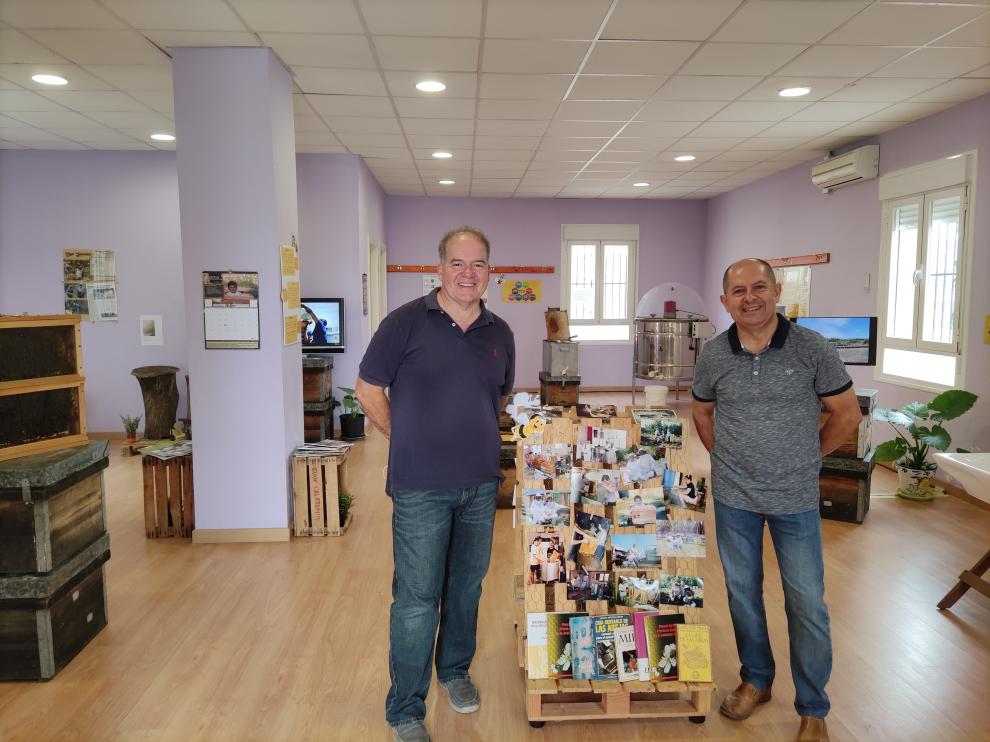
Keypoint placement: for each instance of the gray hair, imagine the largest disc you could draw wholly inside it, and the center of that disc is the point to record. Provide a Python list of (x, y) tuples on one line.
[(464, 229), (767, 268)]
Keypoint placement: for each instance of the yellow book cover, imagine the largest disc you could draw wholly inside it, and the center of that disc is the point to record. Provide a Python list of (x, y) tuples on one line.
[(537, 664), (694, 653)]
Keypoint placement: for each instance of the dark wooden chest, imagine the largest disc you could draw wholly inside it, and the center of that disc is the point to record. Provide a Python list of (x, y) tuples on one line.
[(52, 506), (47, 619), (844, 486), (559, 390), (317, 378)]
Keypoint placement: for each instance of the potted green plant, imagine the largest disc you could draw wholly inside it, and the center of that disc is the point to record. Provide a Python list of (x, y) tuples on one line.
[(130, 426), (352, 418), (923, 425)]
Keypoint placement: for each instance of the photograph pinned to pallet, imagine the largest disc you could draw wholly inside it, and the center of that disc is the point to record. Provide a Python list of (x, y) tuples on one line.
[(599, 446), (596, 486), (641, 507), (638, 591), (680, 538), (681, 491), (545, 555), (588, 584), (588, 543), (635, 550), (681, 590), (547, 460), (542, 507), (662, 431)]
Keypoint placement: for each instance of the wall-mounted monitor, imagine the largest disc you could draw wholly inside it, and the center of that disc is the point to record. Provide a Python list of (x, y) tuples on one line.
[(321, 325), (855, 338)]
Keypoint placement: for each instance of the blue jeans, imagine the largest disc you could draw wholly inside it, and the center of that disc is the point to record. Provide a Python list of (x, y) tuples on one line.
[(441, 544), (797, 539)]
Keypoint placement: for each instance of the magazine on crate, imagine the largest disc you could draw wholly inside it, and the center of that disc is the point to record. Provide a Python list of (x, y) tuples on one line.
[(560, 649), (606, 659), (625, 650), (694, 653), (642, 653), (582, 648), (537, 666), (661, 644)]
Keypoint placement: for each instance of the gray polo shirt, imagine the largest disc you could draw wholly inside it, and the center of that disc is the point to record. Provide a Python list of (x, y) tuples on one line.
[(767, 456)]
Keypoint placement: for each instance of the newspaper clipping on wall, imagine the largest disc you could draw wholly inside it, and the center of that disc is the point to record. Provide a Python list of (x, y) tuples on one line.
[(90, 284)]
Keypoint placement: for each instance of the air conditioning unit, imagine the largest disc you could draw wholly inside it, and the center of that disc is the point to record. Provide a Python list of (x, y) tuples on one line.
[(859, 164)]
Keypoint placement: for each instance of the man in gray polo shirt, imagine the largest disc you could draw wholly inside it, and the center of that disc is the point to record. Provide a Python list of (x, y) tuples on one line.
[(758, 390)]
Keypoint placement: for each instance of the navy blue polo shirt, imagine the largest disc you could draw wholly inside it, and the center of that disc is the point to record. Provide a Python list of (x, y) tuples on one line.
[(767, 451), (445, 391)]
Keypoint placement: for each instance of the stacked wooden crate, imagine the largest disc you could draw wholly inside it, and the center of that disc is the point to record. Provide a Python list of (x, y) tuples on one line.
[(844, 481), (559, 379), (317, 398)]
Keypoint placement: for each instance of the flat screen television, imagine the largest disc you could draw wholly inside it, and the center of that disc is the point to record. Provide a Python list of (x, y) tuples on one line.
[(323, 331), (855, 338)]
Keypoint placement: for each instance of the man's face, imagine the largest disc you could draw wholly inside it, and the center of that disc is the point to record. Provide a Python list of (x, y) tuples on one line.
[(751, 295), (464, 274)]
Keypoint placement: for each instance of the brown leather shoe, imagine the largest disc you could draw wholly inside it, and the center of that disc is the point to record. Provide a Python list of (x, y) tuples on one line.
[(741, 702), (812, 730)]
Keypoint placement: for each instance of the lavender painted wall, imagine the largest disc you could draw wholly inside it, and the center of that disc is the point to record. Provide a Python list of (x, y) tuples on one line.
[(127, 202), (785, 215), (528, 232)]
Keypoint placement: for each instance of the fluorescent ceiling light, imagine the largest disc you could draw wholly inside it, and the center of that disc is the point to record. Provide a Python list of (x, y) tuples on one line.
[(793, 92), (430, 86), (442, 155), (446, 182), (640, 185), (50, 79), (684, 158), (163, 137)]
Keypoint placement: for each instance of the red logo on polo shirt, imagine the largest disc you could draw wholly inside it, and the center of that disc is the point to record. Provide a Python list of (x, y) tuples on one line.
[(494, 352)]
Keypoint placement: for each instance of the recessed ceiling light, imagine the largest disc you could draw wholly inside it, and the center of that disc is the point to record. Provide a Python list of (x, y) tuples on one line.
[(640, 185), (50, 79), (442, 155), (431, 86), (684, 158), (446, 182), (163, 137), (793, 92)]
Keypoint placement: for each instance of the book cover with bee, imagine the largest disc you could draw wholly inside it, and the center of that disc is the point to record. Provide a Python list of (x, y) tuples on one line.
[(694, 653), (560, 650)]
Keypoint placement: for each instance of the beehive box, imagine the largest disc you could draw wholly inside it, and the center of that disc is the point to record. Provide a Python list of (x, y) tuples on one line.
[(52, 506), (317, 378), (844, 486), (42, 405)]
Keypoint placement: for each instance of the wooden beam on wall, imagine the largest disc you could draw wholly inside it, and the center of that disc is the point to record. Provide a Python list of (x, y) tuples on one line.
[(815, 259), (394, 268)]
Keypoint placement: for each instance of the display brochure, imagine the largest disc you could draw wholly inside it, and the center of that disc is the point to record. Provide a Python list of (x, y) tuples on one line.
[(694, 653), (167, 449), (537, 666), (90, 284), (606, 659), (582, 648), (230, 310)]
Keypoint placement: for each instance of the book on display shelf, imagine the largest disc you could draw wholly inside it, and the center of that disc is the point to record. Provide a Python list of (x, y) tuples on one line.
[(661, 642), (537, 666), (625, 651), (606, 658), (582, 648), (694, 653), (560, 649)]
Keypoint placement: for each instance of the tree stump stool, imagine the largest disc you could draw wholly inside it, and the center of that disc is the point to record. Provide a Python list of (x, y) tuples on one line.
[(161, 399)]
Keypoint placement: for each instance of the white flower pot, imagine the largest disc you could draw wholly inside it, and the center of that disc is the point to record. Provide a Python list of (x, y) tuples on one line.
[(915, 483)]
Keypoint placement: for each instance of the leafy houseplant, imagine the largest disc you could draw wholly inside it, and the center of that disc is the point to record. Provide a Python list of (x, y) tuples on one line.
[(130, 426), (352, 418), (923, 423), (344, 500)]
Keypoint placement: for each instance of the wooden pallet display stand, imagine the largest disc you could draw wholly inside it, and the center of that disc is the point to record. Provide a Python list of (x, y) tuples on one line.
[(573, 700), (316, 485), (169, 506)]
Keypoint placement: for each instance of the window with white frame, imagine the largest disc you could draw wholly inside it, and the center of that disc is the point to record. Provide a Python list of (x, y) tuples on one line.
[(598, 281), (923, 274)]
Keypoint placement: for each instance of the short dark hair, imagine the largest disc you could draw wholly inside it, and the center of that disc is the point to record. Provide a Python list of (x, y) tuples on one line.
[(464, 229), (767, 268), (231, 283)]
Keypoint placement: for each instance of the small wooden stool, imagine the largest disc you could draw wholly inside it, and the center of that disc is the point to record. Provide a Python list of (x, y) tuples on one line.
[(168, 497)]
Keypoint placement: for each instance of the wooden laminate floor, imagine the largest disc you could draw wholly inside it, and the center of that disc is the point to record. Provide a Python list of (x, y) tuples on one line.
[(289, 641)]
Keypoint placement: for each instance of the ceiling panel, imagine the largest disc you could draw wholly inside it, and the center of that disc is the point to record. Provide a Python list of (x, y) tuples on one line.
[(173, 39), (672, 110), (105, 100), (638, 57), (546, 19), (447, 108), (502, 127), (843, 61), (615, 87), (25, 100), (550, 87), (127, 120), (427, 54), (614, 110), (61, 119), (706, 87), (299, 16), (339, 81), (821, 87), (176, 15), (507, 55), (954, 91), (146, 77), (902, 25), (668, 19), (363, 124), (158, 101), (439, 126), (79, 79), (441, 141), (759, 111), (350, 105), (99, 47), (85, 14), (836, 111), (321, 50), (932, 62), (782, 21), (459, 84), (742, 59), (974, 33), (516, 109), (882, 89), (309, 123), (437, 18)]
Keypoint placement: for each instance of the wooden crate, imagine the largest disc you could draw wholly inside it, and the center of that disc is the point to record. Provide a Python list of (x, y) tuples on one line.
[(316, 485), (317, 421), (47, 619), (859, 442), (317, 378), (559, 390), (169, 505), (52, 506), (42, 405), (844, 486)]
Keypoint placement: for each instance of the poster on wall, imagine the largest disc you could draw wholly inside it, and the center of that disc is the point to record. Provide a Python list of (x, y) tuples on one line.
[(522, 291), (151, 329), (230, 309), (430, 281), (795, 290), (289, 270), (90, 284)]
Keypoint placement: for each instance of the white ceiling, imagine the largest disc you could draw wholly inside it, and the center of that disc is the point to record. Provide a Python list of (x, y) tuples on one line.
[(547, 98)]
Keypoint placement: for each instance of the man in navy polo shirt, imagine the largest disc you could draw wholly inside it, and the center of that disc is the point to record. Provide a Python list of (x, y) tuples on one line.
[(758, 389), (447, 362)]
